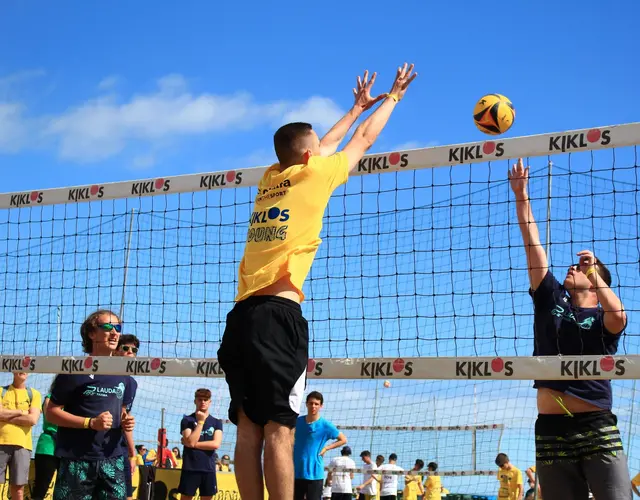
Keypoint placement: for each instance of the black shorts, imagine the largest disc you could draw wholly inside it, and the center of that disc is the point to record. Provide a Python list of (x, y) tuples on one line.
[(264, 355), (128, 480), (203, 482), (309, 489)]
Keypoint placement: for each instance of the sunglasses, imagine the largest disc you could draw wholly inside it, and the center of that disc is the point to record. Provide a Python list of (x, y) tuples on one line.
[(107, 327), (127, 348)]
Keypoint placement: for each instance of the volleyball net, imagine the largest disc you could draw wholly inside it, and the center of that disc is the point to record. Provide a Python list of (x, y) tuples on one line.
[(421, 281)]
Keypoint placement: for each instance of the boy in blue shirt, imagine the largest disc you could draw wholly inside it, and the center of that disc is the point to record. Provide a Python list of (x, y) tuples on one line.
[(91, 414), (311, 437), (201, 437)]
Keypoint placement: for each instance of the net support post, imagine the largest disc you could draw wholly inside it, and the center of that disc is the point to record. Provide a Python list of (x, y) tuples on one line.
[(473, 449)]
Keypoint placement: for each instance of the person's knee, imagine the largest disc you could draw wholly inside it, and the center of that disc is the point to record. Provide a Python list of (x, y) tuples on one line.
[(275, 433)]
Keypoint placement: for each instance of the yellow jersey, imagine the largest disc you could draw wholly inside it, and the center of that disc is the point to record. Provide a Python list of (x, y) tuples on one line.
[(509, 481), (18, 399), (412, 487), (433, 488), (636, 480), (285, 224)]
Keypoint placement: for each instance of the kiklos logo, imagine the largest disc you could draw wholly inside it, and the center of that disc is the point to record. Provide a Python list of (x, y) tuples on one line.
[(88, 364), (473, 152), (85, 193), (24, 199), (150, 187), (213, 181), (483, 369), (26, 364), (571, 142), (383, 162), (379, 369), (156, 365), (209, 369), (578, 369), (315, 367)]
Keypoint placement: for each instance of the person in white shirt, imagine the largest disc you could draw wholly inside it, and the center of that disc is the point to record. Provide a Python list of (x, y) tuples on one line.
[(326, 491), (389, 486), (341, 488), (368, 490)]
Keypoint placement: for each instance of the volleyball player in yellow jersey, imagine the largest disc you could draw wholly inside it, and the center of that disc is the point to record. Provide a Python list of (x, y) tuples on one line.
[(264, 350), (510, 477), (433, 484)]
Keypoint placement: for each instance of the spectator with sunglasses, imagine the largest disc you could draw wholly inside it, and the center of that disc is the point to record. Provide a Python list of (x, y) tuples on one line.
[(578, 444), (128, 346), (91, 412)]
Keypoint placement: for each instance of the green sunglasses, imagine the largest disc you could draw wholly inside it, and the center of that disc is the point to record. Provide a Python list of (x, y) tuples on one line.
[(107, 327)]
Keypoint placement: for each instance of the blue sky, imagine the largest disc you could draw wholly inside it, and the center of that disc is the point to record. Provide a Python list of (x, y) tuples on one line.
[(92, 93)]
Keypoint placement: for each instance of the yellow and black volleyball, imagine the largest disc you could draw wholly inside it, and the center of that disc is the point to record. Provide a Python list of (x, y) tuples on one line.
[(494, 114)]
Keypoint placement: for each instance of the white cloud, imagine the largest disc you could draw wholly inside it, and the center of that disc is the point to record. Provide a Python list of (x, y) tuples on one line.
[(321, 112), (109, 82), (13, 127), (144, 161), (104, 127)]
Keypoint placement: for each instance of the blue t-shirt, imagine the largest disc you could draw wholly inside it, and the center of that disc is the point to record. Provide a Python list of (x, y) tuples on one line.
[(89, 396), (310, 438), (562, 328), (200, 460)]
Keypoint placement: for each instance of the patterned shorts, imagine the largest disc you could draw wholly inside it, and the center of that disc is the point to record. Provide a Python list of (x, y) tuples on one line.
[(91, 479)]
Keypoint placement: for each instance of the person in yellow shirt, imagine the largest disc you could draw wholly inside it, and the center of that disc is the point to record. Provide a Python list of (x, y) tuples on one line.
[(264, 350), (510, 478), (19, 412), (635, 482), (413, 482), (531, 479), (433, 484)]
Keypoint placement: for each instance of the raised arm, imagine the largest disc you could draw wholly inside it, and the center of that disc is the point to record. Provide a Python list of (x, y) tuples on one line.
[(536, 257), (363, 101), (369, 130)]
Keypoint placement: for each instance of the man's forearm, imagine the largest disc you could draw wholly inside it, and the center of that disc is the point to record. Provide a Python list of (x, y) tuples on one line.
[(61, 418), (25, 420), (128, 437), (7, 415), (332, 139), (370, 128), (526, 222)]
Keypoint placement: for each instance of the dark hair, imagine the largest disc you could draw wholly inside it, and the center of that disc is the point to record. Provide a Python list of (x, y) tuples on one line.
[(378, 457), (420, 463), (139, 447), (177, 453), (530, 493), (90, 325), (365, 453), (393, 456), (286, 141), (129, 339), (502, 459), (203, 393), (315, 395), (433, 466), (603, 272), (345, 451)]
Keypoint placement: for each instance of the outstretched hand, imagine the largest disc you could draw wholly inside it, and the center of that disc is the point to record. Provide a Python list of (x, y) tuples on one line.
[(362, 92), (519, 177), (404, 77)]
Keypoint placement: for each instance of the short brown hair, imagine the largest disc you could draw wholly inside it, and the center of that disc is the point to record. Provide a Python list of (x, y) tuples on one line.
[(286, 140), (203, 393), (90, 325)]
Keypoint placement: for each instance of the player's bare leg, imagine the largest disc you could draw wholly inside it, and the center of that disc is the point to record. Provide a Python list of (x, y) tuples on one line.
[(278, 460), (248, 459)]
